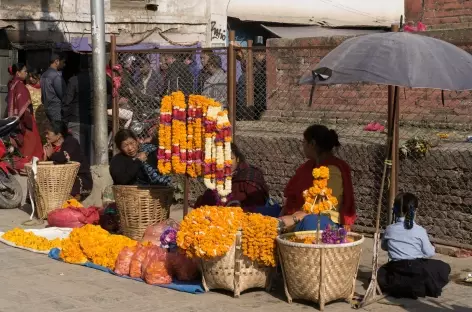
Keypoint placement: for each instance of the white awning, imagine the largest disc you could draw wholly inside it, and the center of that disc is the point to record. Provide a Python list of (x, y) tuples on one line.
[(295, 32), (332, 13)]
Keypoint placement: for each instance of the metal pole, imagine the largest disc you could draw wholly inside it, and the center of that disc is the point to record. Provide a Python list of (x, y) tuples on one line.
[(99, 82), (116, 124), (249, 75), (232, 80)]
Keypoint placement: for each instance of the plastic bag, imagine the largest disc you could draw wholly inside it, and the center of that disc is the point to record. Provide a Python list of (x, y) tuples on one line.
[(152, 251), (137, 261), (122, 265), (182, 267), (157, 272), (73, 217), (153, 232)]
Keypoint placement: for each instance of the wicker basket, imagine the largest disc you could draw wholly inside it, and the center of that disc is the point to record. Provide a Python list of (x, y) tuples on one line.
[(319, 273), (141, 206), (52, 185), (235, 272)]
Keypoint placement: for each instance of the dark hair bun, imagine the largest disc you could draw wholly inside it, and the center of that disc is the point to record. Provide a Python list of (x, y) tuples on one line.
[(334, 138)]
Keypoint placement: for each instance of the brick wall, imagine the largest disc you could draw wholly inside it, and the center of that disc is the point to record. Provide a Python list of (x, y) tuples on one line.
[(286, 63), (440, 14), (442, 181)]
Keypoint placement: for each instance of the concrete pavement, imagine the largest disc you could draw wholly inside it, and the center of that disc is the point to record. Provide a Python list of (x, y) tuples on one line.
[(32, 282)]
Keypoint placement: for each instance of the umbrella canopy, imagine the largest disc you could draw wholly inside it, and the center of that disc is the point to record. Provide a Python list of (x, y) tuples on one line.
[(395, 58)]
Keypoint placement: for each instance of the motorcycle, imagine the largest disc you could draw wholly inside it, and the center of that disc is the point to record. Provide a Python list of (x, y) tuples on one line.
[(145, 126), (11, 192)]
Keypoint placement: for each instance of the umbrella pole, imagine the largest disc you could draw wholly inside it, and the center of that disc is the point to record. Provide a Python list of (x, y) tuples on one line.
[(373, 293)]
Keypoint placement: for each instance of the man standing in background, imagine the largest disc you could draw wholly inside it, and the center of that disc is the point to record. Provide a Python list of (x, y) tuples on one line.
[(53, 88)]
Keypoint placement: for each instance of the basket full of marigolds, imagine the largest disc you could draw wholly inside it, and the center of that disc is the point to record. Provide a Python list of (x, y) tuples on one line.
[(320, 266), (236, 249)]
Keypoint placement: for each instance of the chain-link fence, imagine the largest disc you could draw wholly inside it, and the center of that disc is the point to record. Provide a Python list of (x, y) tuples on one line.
[(435, 157), (272, 111)]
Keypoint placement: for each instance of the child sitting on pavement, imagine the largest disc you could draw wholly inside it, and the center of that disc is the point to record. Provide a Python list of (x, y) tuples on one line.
[(410, 273)]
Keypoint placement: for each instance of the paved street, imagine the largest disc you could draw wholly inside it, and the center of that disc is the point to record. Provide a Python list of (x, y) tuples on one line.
[(33, 282)]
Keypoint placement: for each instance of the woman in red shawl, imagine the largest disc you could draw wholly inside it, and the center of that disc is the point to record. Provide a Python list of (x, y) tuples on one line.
[(19, 104), (249, 189), (318, 145)]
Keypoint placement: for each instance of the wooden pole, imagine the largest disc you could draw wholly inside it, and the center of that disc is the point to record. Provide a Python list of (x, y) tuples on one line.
[(115, 110), (249, 75), (393, 128), (232, 79)]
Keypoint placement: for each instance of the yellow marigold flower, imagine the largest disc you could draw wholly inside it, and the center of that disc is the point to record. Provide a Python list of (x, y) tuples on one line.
[(21, 238), (258, 240)]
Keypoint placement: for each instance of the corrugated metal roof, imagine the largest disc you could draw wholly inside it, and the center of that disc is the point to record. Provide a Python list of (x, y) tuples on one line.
[(294, 32)]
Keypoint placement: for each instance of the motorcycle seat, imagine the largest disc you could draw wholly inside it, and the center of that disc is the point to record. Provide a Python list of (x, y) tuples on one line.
[(7, 125)]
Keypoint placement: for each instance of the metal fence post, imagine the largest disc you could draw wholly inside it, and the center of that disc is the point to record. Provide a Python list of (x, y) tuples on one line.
[(232, 80), (115, 114), (99, 82)]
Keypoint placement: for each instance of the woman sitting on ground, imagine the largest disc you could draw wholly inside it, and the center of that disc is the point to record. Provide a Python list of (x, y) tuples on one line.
[(136, 164), (62, 147), (249, 189), (410, 274), (318, 145)]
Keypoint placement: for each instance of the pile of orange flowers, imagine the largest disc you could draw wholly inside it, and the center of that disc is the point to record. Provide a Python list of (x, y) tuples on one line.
[(319, 197), (210, 232), (258, 241), (165, 136), (21, 238), (94, 244), (179, 133)]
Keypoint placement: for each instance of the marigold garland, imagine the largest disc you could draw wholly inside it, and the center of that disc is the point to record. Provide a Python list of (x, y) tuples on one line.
[(319, 197), (191, 155), (94, 244), (165, 136), (209, 231), (21, 238), (258, 240), (179, 133), (198, 133), (223, 155), (209, 172)]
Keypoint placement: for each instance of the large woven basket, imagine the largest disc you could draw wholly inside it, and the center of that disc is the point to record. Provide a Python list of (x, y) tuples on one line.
[(52, 185), (235, 272), (319, 272), (141, 206)]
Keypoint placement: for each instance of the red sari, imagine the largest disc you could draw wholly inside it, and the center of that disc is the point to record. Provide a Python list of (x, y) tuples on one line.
[(28, 140), (303, 179)]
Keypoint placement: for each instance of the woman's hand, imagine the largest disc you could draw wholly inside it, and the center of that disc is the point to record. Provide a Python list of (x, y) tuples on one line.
[(142, 156), (48, 151), (299, 215)]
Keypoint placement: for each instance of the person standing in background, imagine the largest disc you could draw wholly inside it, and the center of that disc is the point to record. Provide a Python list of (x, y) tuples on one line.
[(34, 88), (77, 111), (53, 88), (216, 86), (27, 140)]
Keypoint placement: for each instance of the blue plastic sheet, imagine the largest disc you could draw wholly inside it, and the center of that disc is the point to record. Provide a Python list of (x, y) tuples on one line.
[(193, 287)]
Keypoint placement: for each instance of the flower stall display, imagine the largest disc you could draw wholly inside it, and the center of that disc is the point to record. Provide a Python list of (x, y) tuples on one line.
[(195, 139), (236, 249), (327, 260)]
